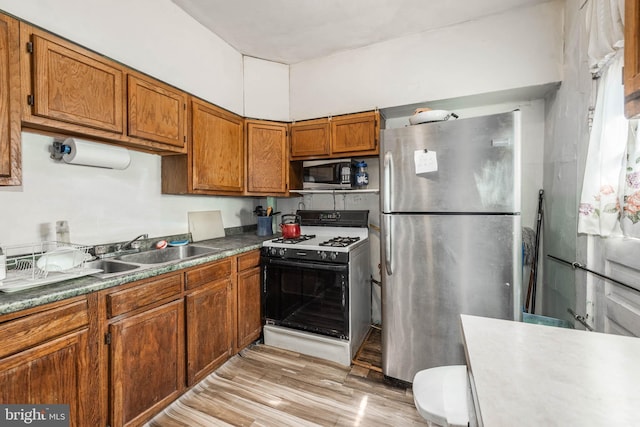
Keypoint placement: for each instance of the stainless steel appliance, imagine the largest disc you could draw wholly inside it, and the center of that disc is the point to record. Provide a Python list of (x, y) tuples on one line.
[(329, 174), (316, 287), (451, 236)]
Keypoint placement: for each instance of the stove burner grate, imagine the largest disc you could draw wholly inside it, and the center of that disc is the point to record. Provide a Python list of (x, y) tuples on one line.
[(294, 240), (340, 242)]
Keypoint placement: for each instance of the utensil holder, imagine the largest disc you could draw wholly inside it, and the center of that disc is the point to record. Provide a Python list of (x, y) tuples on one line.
[(265, 227)]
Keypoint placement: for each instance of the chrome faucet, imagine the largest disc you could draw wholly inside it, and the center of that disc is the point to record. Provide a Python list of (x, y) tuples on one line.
[(129, 243)]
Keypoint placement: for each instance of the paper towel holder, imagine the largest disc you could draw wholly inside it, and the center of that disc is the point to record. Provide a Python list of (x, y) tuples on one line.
[(63, 147), (57, 149)]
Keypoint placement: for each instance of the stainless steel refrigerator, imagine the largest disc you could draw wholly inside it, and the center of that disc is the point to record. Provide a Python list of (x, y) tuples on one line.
[(451, 236)]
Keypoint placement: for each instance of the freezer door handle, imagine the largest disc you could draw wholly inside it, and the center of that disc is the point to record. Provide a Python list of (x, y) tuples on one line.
[(387, 174), (387, 244)]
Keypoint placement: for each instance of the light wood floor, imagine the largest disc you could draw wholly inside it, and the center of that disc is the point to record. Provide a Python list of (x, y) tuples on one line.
[(265, 386)]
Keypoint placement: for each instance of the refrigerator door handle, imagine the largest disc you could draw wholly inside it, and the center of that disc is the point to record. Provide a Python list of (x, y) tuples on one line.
[(387, 174), (387, 244)]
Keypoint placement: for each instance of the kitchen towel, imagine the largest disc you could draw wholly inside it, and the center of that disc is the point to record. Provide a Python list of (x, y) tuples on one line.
[(204, 225)]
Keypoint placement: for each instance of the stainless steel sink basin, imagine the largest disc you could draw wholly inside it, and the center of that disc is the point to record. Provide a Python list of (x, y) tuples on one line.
[(159, 256), (111, 267)]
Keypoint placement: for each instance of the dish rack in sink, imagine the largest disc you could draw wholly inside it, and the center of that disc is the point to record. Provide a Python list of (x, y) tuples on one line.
[(42, 263)]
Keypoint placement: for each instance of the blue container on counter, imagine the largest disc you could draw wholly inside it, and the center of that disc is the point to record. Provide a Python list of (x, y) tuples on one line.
[(265, 227)]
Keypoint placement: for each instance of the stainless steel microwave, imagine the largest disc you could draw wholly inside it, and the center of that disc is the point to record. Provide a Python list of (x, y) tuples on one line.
[(328, 174)]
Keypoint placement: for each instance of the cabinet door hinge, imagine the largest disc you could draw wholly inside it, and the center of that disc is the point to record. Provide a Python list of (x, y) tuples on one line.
[(30, 47), (30, 100), (107, 338)]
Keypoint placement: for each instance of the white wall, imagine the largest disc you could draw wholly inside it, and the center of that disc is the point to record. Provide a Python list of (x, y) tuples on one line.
[(566, 143), (266, 90), (516, 49), (152, 36)]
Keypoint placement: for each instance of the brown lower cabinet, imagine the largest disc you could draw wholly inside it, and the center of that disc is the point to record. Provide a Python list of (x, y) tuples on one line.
[(146, 369), (249, 307), (120, 355), (209, 318), (45, 357)]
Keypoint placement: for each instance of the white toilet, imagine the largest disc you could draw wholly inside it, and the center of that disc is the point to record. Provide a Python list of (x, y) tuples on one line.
[(440, 395)]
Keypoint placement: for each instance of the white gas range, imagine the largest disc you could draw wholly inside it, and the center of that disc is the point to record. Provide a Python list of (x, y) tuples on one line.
[(316, 289)]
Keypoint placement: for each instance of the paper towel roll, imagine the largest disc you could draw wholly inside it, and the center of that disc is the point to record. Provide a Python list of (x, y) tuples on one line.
[(94, 154)]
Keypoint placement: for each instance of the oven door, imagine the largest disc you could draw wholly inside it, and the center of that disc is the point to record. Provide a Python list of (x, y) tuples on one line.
[(308, 296)]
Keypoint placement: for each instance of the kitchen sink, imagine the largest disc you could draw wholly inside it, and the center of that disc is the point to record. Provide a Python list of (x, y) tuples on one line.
[(111, 267), (159, 256)]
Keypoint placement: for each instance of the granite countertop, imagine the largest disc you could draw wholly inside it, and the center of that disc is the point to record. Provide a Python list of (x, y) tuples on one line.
[(533, 375), (231, 245)]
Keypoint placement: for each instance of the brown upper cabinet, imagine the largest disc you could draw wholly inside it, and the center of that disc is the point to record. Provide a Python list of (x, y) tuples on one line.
[(215, 160), (310, 138), (632, 59), (74, 86), (339, 136), (267, 157), (71, 90), (10, 163), (156, 111)]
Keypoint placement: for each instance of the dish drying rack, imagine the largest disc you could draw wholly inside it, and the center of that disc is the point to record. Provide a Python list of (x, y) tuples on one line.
[(25, 271)]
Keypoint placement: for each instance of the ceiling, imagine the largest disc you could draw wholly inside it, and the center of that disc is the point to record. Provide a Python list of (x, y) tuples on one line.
[(291, 31)]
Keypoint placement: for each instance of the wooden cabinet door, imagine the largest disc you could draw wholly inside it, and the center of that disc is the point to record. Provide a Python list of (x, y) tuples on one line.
[(156, 111), (632, 59), (217, 149), (209, 328), (355, 134), (267, 157), (76, 86), (249, 311), (10, 161), (146, 363), (55, 372), (310, 138)]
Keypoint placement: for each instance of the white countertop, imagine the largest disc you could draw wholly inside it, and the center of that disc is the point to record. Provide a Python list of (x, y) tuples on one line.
[(533, 375)]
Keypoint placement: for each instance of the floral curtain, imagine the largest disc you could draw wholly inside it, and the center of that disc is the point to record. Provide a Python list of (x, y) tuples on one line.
[(631, 202), (599, 211), (605, 193)]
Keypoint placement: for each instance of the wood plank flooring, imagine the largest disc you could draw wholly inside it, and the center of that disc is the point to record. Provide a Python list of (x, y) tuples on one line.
[(266, 386)]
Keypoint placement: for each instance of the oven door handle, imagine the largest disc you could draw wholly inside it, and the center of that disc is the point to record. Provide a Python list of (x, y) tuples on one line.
[(309, 264)]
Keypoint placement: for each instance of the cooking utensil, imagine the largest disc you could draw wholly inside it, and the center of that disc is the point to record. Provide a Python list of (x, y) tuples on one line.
[(290, 226), (269, 210)]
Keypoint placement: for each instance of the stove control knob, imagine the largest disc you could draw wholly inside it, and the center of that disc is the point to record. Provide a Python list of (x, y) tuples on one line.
[(333, 255), (323, 254), (272, 251), (282, 251)]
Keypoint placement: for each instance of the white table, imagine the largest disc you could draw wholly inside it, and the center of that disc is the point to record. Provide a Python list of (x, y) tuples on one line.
[(532, 375)]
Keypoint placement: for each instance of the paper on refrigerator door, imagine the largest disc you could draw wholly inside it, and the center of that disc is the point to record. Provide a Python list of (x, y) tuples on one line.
[(425, 161)]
